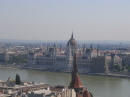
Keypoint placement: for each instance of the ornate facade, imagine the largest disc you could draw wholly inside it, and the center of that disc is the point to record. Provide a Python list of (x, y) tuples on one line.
[(70, 50)]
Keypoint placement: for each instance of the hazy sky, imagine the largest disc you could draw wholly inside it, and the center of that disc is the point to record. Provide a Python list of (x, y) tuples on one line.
[(55, 19)]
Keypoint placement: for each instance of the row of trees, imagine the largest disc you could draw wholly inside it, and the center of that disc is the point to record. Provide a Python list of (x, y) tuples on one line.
[(18, 59)]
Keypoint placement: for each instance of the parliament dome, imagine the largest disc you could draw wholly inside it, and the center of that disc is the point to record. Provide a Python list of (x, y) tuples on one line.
[(72, 41)]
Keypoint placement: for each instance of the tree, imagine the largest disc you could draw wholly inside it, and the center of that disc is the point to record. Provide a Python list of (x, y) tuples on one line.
[(17, 80)]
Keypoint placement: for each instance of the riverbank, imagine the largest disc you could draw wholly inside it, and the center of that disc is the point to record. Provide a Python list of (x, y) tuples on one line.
[(93, 74), (110, 75), (100, 86)]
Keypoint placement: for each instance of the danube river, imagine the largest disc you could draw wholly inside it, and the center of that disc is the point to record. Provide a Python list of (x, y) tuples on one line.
[(100, 86)]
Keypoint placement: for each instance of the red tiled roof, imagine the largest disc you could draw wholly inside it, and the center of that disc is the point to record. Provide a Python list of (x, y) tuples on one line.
[(77, 83), (86, 94)]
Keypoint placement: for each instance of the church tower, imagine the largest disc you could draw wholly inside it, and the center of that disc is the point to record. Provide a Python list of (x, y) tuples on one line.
[(76, 83)]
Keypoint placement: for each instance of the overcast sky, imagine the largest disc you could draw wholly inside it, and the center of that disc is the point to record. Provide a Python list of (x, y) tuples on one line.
[(55, 19)]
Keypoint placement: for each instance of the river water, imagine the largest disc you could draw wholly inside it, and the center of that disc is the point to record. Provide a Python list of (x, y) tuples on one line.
[(100, 86)]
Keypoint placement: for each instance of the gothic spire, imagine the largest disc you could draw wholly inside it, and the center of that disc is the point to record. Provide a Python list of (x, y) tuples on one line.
[(75, 69), (72, 35), (75, 82)]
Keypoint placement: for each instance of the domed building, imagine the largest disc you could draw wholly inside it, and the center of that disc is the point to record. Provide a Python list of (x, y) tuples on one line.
[(72, 43), (70, 50)]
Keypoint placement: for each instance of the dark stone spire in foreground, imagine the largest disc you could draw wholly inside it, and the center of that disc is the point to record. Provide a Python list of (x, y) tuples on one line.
[(76, 83), (72, 35), (75, 68)]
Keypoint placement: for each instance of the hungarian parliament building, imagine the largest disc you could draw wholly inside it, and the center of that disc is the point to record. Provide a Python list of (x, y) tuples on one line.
[(88, 59)]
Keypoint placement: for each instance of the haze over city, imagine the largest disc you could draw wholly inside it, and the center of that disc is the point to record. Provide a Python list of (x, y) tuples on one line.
[(64, 48), (56, 19)]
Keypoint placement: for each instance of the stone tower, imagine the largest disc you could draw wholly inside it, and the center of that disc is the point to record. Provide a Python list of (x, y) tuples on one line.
[(76, 83)]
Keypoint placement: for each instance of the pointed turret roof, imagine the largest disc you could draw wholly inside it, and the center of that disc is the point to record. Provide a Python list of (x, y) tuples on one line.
[(76, 82), (72, 36), (72, 41)]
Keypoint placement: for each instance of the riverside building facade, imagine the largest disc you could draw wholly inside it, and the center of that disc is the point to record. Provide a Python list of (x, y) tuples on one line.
[(56, 59)]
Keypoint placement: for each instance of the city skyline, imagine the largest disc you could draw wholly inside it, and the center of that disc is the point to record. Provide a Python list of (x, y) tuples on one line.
[(55, 20)]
